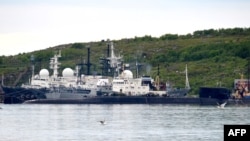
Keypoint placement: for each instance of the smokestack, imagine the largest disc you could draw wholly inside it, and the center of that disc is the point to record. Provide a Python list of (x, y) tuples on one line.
[(108, 50)]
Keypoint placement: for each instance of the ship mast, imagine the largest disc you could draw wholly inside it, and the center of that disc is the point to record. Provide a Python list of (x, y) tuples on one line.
[(157, 79), (115, 62), (32, 59), (54, 64), (137, 70), (111, 64), (187, 82)]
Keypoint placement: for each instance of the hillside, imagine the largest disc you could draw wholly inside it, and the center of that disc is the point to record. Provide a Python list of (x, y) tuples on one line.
[(214, 57)]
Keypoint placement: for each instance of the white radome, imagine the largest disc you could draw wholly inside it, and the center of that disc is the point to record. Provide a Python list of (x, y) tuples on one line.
[(68, 72), (127, 74), (44, 73)]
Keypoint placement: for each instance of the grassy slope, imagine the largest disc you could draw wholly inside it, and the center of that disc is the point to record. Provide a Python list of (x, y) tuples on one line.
[(221, 67)]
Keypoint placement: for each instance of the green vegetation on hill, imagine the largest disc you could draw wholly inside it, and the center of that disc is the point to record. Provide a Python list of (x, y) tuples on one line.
[(214, 57)]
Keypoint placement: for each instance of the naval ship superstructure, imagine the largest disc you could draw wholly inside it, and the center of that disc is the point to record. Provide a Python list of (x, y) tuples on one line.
[(71, 84), (117, 80)]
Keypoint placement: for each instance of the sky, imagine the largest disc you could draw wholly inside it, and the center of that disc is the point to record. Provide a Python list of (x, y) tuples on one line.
[(30, 25)]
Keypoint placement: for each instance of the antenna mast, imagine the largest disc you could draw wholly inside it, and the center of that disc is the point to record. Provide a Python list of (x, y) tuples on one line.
[(157, 80), (54, 64), (187, 82)]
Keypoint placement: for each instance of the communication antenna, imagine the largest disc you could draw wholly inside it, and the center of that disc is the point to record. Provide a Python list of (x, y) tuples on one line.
[(32, 59), (187, 82), (157, 79), (54, 64)]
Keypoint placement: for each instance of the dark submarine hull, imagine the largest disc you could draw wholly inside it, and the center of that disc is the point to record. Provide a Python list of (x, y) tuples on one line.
[(117, 100), (139, 100)]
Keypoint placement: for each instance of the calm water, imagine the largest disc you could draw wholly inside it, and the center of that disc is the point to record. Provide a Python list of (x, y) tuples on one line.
[(124, 122)]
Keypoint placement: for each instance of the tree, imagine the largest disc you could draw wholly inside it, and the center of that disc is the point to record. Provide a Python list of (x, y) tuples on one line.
[(78, 46), (169, 37)]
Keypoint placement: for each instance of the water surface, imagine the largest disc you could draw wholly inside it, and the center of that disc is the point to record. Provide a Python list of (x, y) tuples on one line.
[(135, 122)]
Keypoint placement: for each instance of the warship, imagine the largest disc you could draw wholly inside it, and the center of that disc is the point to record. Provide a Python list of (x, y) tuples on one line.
[(73, 86)]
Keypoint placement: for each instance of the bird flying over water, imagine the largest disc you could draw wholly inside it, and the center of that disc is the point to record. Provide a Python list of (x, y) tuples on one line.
[(102, 122), (221, 105)]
